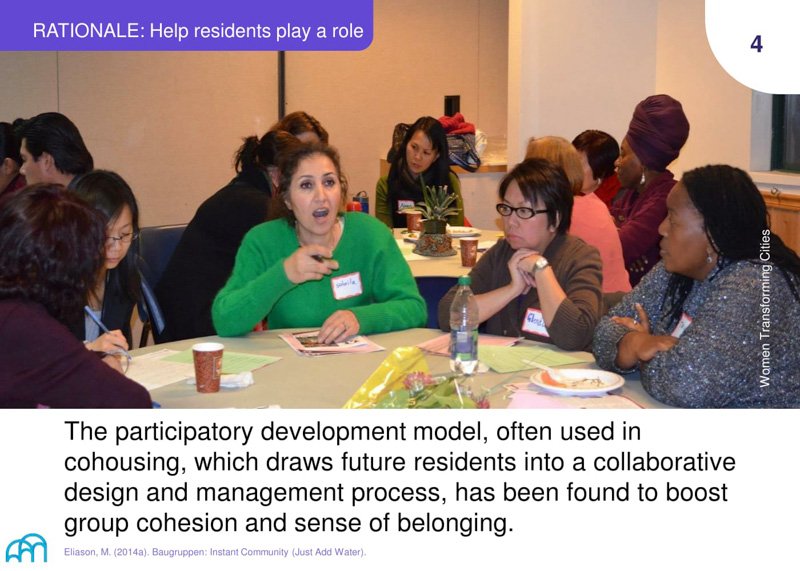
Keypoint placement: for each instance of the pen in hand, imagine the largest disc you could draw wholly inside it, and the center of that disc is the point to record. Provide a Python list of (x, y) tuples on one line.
[(320, 258), (93, 316)]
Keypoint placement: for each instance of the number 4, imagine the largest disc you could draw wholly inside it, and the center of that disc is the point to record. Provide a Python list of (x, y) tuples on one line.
[(756, 45)]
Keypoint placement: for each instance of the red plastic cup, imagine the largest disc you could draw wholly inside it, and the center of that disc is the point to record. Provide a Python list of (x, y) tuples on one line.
[(414, 221), (469, 251), (207, 366)]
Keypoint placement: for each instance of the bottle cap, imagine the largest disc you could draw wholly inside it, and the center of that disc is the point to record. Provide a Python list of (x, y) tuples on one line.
[(464, 280)]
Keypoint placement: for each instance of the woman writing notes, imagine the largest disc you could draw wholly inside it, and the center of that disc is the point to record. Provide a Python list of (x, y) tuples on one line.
[(538, 282), (51, 246), (422, 159), (315, 267), (717, 322), (118, 285)]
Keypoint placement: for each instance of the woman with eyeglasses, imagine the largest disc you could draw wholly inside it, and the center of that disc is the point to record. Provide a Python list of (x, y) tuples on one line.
[(118, 285), (538, 282), (50, 252)]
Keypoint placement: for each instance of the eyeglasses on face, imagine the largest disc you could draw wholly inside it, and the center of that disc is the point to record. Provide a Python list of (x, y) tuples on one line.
[(523, 212), (126, 238)]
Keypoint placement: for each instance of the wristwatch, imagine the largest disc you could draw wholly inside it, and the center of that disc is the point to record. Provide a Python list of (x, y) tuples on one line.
[(540, 264)]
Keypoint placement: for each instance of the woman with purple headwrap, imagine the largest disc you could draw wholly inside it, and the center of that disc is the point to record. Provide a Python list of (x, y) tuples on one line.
[(657, 132)]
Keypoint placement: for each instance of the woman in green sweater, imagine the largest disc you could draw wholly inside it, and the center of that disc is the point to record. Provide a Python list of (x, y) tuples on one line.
[(316, 267)]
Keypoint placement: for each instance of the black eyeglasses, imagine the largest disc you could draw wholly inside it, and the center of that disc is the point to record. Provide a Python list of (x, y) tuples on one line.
[(523, 212), (124, 238)]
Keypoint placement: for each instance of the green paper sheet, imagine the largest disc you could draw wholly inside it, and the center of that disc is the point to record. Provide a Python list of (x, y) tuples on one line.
[(232, 363), (512, 359)]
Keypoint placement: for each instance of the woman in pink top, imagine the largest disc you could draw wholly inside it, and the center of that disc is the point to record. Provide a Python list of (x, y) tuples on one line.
[(591, 220)]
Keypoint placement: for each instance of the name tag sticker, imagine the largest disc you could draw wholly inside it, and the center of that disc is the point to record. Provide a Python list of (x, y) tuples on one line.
[(348, 285), (682, 326), (403, 204), (534, 323)]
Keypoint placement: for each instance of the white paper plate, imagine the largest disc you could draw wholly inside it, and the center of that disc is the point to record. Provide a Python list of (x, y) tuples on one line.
[(462, 231), (578, 382)]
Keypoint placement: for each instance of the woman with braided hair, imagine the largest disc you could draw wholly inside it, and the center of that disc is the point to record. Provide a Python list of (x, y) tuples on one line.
[(717, 322)]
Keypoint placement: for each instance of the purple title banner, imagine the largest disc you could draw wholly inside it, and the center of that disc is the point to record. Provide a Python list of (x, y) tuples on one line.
[(161, 25)]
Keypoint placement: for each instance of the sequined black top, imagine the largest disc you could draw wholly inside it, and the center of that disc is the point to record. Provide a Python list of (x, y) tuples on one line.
[(742, 348)]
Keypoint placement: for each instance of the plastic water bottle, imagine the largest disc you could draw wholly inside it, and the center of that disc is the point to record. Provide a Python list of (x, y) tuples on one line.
[(464, 329)]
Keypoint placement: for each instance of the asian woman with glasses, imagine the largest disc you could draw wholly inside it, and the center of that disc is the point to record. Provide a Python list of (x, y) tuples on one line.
[(538, 282), (50, 253), (118, 285)]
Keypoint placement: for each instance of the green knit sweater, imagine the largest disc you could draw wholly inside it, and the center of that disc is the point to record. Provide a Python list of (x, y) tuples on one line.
[(259, 287)]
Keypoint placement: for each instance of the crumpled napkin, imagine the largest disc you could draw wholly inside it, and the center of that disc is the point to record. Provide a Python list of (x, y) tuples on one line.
[(231, 381)]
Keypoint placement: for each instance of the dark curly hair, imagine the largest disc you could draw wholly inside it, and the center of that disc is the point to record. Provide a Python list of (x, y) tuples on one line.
[(51, 249), (289, 161), (735, 219)]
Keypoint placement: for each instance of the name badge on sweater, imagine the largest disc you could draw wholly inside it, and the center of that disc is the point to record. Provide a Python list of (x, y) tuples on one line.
[(403, 204), (534, 323), (682, 326), (348, 285)]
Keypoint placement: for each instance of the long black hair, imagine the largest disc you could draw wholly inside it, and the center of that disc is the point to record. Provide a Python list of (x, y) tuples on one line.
[(736, 222), (108, 193), (438, 174)]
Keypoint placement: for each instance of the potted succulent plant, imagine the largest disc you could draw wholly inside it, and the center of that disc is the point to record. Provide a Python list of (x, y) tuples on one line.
[(436, 207)]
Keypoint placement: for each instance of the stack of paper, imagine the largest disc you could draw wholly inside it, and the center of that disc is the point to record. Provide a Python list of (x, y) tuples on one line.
[(307, 343)]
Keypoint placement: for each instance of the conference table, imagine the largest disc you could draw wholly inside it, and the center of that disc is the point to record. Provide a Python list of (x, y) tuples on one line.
[(328, 381)]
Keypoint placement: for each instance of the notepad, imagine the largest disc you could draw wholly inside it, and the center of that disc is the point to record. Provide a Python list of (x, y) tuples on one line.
[(512, 359), (232, 363)]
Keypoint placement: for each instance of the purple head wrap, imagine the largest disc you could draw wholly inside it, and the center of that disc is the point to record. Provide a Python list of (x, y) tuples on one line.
[(658, 130)]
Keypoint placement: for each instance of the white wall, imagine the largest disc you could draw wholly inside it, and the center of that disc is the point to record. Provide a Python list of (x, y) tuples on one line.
[(718, 107), (422, 51), (581, 64), (576, 65), (169, 122)]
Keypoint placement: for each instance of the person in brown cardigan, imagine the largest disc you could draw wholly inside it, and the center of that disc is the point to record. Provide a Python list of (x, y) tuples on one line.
[(538, 282)]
